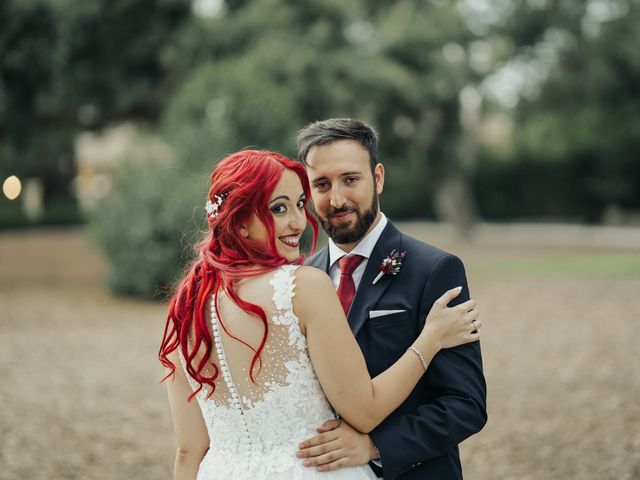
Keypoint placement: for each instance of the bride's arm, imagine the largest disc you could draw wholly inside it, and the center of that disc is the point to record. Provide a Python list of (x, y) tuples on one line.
[(340, 365), (189, 427)]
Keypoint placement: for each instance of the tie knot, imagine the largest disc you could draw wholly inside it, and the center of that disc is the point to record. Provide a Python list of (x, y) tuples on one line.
[(349, 263)]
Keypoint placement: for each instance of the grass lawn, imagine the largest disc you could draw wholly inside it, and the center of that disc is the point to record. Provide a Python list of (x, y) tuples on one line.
[(581, 265)]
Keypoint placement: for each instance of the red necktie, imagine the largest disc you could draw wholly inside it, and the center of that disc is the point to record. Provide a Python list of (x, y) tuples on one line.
[(347, 288)]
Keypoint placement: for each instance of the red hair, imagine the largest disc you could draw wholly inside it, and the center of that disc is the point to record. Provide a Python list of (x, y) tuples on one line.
[(246, 180)]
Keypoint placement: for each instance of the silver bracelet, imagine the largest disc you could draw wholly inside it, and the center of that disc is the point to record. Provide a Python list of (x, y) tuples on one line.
[(419, 354)]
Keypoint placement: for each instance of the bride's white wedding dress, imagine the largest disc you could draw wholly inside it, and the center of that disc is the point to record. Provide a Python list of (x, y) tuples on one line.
[(254, 429)]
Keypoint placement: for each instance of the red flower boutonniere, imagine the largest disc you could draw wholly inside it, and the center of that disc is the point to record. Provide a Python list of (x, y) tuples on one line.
[(390, 265)]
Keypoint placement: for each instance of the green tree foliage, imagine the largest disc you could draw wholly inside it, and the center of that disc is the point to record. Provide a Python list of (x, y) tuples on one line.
[(112, 55), (226, 106), (382, 62), (576, 141), (583, 129), (66, 66)]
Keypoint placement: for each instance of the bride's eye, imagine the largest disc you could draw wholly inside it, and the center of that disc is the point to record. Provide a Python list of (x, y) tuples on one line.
[(301, 203), (280, 208)]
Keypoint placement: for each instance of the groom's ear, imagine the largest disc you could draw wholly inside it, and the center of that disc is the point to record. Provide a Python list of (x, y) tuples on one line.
[(378, 177)]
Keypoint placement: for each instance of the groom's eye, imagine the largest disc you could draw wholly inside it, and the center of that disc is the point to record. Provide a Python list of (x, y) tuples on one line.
[(322, 185)]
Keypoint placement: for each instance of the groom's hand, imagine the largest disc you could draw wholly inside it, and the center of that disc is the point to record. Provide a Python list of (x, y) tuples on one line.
[(338, 445)]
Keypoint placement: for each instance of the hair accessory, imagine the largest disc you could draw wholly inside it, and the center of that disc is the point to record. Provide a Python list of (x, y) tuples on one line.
[(213, 208)]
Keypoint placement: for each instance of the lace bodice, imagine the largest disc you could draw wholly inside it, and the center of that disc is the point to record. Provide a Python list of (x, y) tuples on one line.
[(254, 429)]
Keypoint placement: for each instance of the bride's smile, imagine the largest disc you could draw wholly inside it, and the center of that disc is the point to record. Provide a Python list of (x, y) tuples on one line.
[(290, 241)]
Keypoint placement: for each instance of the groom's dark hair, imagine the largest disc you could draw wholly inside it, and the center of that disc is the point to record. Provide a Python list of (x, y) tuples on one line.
[(334, 129)]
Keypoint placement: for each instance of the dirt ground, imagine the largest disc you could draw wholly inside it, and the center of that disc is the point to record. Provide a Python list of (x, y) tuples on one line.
[(80, 398)]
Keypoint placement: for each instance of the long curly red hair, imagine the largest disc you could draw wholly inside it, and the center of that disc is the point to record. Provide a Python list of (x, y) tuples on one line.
[(246, 181)]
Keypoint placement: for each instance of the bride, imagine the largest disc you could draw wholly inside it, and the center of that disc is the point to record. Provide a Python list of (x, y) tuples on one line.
[(263, 344)]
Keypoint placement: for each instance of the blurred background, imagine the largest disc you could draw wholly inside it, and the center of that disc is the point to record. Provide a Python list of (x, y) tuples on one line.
[(510, 136)]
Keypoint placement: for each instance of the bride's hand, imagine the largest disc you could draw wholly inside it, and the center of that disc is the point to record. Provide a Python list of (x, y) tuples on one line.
[(451, 326)]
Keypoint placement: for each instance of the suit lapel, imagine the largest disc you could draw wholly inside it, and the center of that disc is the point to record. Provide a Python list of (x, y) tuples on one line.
[(368, 294), (319, 260)]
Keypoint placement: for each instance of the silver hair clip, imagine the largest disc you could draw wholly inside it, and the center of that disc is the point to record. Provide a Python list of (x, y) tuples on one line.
[(213, 208)]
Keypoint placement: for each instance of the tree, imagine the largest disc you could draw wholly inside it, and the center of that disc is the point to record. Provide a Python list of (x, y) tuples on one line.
[(66, 66), (574, 153), (378, 61)]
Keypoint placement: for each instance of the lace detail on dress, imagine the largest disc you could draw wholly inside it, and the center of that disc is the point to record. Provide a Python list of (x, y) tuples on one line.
[(283, 288), (254, 428), (283, 293)]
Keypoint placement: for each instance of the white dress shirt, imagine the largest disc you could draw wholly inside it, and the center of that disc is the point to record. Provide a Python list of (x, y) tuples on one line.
[(364, 248)]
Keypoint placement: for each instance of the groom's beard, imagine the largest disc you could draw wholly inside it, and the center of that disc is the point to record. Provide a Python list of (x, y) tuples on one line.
[(341, 233)]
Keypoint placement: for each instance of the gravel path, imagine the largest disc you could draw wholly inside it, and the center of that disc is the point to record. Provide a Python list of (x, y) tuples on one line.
[(81, 400)]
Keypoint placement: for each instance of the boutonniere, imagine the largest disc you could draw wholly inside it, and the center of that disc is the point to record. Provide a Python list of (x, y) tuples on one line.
[(390, 265)]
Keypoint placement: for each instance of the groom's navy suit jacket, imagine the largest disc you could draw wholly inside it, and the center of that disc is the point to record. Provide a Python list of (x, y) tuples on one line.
[(419, 440)]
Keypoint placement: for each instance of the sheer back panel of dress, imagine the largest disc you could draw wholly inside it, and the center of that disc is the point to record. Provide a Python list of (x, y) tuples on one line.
[(270, 371)]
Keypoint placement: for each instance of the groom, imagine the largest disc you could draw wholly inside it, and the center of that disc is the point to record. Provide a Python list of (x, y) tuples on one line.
[(419, 440)]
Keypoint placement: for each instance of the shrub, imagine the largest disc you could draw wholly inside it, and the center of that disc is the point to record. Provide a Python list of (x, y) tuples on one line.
[(140, 226)]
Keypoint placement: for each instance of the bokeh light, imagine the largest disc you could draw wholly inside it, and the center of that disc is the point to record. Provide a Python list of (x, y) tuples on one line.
[(12, 187)]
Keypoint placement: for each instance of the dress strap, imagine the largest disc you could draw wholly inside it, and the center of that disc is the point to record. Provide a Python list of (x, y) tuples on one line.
[(283, 283)]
